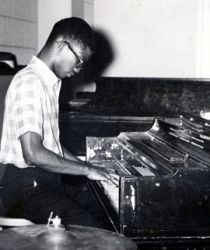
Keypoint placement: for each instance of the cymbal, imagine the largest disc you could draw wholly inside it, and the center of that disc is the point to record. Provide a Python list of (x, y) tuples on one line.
[(41, 237)]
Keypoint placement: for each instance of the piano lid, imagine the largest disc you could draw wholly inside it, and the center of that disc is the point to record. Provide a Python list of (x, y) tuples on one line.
[(158, 97)]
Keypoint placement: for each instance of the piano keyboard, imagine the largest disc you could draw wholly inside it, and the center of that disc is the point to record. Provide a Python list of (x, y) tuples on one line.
[(122, 160)]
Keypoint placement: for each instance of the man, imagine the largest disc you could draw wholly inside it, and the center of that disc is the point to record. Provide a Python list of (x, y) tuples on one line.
[(30, 149)]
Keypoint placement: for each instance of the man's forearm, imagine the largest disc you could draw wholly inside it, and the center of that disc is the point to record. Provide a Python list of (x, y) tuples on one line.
[(52, 162)]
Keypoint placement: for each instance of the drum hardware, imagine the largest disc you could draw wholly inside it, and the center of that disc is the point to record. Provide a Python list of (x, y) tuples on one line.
[(55, 236), (54, 222)]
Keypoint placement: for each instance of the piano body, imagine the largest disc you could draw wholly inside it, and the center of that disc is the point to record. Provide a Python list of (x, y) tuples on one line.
[(155, 133)]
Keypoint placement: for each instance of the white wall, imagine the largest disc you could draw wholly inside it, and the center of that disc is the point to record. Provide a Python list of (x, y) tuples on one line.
[(203, 46), (83, 9), (26, 24), (18, 28), (49, 12), (158, 38)]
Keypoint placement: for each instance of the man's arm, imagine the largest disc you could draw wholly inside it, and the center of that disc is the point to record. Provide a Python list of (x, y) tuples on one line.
[(69, 155), (35, 154)]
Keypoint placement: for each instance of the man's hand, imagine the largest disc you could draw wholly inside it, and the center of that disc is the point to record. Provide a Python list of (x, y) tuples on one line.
[(102, 174)]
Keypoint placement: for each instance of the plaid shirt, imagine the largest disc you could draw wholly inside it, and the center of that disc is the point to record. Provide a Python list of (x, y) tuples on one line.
[(31, 104)]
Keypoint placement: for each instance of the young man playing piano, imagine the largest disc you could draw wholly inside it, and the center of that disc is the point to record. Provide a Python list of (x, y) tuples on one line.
[(32, 156)]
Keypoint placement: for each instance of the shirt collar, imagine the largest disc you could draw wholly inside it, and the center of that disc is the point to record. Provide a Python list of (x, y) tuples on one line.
[(44, 71)]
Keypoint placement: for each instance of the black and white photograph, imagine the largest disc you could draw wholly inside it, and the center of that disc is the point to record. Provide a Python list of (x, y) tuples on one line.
[(104, 125)]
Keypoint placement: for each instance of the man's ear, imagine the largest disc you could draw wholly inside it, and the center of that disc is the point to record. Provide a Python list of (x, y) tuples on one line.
[(60, 44)]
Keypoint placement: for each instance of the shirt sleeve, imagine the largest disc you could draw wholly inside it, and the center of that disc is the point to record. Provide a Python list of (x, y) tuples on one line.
[(28, 106)]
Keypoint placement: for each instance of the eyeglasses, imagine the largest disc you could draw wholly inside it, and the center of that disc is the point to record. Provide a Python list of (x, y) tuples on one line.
[(80, 62)]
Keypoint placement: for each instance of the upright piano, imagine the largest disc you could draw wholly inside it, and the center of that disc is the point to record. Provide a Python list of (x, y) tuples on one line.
[(155, 134)]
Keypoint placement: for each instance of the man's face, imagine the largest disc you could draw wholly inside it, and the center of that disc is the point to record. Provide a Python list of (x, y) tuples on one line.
[(70, 58)]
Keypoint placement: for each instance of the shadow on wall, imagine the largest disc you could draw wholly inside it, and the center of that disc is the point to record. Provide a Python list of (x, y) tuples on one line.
[(101, 59), (81, 84)]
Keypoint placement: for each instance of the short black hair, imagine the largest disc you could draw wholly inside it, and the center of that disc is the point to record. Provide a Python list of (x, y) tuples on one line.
[(73, 28)]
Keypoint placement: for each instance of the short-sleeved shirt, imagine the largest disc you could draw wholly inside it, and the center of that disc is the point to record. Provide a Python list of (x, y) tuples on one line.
[(31, 105)]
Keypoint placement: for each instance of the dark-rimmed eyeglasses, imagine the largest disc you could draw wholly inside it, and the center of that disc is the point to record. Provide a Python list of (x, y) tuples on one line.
[(80, 62)]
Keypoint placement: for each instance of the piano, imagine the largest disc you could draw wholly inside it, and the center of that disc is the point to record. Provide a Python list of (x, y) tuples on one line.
[(155, 133)]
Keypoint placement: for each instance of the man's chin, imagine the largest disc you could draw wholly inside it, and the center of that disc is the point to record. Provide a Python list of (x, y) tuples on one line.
[(69, 75)]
